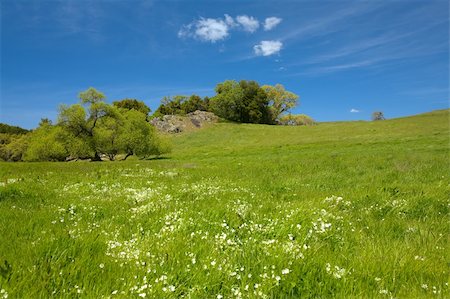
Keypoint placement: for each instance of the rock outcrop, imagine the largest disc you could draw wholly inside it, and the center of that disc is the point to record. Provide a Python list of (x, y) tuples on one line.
[(178, 124)]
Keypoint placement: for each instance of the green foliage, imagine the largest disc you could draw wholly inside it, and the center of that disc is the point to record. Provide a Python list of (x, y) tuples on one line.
[(243, 102), (280, 100), (91, 96), (182, 105), (92, 130), (137, 136), (7, 129), (130, 104), (46, 143), (296, 120), (13, 146)]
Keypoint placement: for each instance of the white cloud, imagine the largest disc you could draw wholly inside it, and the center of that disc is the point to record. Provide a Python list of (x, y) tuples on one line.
[(210, 30), (271, 23), (353, 110), (230, 21), (250, 24), (268, 47)]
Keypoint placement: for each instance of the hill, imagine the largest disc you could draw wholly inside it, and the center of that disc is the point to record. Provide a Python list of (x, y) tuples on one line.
[(337, 210), (7, 129), (224, 139)]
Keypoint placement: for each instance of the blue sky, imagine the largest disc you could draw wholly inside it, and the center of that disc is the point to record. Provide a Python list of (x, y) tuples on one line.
[(345, 59)]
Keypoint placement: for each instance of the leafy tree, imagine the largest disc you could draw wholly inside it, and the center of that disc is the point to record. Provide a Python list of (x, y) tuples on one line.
[(194, 103), (243, 102), (13, 146), (296, 120), (182, 105), (280, 100), (46, 143), (5, 128), (378, 115), (107, 132), (137, 136), (82, 122), (172, 105), (130, 104)]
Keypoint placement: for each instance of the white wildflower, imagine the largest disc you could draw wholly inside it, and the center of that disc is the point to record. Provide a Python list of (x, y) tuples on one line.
[(285, 271)]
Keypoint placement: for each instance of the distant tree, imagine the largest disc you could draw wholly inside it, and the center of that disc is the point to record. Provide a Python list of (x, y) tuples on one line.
[(244, 102), (194, 103), (129, 104), (46, 143), (5, 128), (13, 146), (171, 105), (280, 100), (378, 115), (82, 122), (137, 136), (107, 132), (296, 120), (45, 121)]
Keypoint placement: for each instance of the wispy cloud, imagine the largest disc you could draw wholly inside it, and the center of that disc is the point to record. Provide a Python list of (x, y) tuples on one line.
[(381, 46), (327, 24), (268, 47), (271, 23), (353, 110)]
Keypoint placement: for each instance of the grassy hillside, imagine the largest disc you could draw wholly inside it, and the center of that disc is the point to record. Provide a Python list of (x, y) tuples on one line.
[(346, 210)]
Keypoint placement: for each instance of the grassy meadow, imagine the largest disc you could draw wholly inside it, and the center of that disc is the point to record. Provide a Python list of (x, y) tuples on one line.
[(337, 210)]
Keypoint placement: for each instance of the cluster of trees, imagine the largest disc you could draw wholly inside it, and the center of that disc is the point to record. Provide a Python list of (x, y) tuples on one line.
[(296, 120), (243, 101), (91, 129), (182, 105)]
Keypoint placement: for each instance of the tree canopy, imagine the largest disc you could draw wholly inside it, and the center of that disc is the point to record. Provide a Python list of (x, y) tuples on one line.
[(243, 101), (91, 129)]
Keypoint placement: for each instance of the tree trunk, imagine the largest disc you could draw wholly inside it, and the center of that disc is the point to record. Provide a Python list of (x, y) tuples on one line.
[(129, 154), (96, 158)]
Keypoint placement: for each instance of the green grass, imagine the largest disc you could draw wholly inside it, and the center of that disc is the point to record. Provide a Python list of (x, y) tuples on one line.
[(345, 210)]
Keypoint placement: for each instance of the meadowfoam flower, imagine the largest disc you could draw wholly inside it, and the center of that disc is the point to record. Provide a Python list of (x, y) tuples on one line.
[(172, 288), (101, 266), (424, 286), (219, 296), (142, 295), (384, 292), (285, 271)]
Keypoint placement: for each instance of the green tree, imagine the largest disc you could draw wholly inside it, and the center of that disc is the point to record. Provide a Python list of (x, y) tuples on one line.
[(244, 102), (171, 105), (138, 137), (46, 143), (296, 120), (13, 146), (130, 104), (280, 100), (82, 122)]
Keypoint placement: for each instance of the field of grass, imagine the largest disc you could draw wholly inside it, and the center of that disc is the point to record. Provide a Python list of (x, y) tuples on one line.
[(345, 210)]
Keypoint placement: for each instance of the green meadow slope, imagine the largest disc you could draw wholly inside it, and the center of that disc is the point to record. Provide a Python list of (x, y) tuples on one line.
[(337, 210)]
